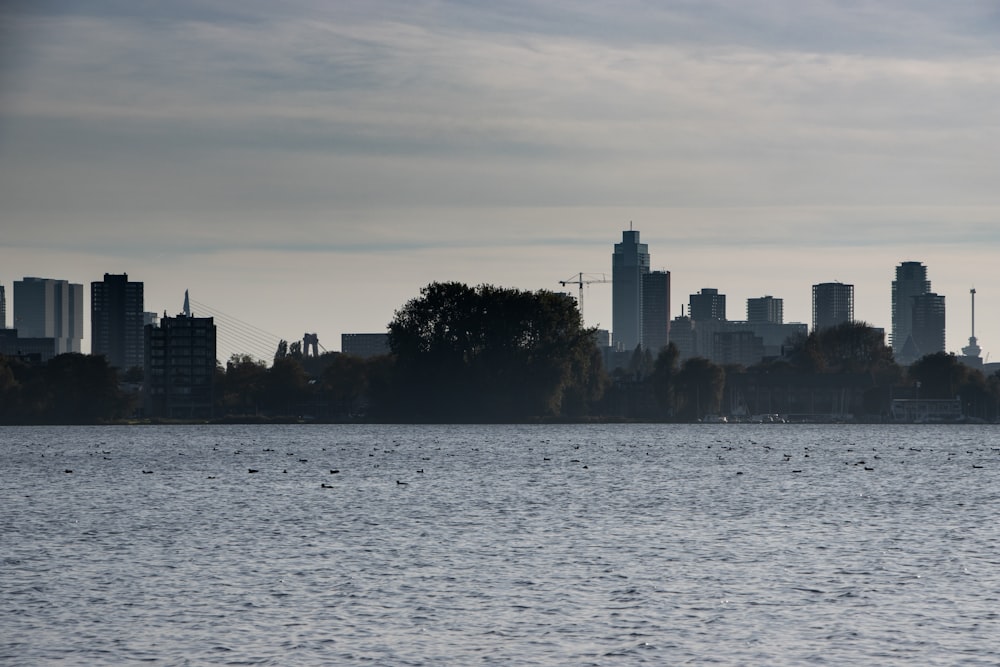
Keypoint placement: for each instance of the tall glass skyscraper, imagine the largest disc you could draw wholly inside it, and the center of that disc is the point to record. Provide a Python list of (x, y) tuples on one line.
[(629, 263), (911, 282)]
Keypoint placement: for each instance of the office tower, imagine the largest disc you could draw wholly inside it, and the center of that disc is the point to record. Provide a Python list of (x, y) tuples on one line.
[(48, 308), (655, 310), (765, 310), (833, 304), (180, 367), (707, 305), (117, 320), (928, 323), (911, 281), (3, 308), (629, 263)]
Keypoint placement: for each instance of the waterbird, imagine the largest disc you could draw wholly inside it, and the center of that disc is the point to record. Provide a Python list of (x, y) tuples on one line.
[(251, 470), (401, 483), (334, 472)]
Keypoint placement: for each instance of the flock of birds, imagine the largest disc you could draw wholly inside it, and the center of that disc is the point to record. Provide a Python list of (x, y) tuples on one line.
[(726, 452)]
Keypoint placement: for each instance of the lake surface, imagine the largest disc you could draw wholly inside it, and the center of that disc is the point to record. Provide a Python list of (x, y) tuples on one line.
[(500, 545)]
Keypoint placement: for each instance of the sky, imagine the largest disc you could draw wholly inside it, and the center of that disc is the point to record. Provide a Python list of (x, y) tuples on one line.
[(308, 166)]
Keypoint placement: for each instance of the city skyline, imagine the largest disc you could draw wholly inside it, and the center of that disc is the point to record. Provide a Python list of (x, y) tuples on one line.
[(316, 183)]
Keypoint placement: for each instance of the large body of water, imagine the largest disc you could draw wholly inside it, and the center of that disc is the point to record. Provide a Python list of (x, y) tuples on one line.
[(500, 545)]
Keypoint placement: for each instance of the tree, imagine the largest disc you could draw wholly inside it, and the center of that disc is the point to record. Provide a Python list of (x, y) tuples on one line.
[(82, 389), (243, 385), (487, 353), (849, 347), (664, 377), (938, 375), (699, 388)]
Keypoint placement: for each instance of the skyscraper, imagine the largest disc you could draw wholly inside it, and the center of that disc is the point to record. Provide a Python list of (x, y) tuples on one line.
[(707, 305), (833, 304), (765, 310), (928, 323), (49, 308), (116, 320), (911, 281), (3, 308), (629, 263), (655, 310)]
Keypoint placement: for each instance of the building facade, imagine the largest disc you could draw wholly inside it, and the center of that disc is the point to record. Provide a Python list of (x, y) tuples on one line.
[(364, 345), (117, 321), (911, 281), (765, 310), (3, 308), (832, 304), (180, 368), (34, 350), (707, 305), (629, 263), (928, 330), (50, 308), (655, 311)]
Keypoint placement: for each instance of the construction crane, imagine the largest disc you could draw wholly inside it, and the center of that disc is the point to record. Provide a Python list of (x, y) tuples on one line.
[(582, 279)]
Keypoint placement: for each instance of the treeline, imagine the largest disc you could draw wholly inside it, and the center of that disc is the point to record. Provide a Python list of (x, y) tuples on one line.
[(489, 354)]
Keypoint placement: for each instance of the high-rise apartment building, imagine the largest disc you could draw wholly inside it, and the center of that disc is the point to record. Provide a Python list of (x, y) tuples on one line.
[(928, 329), (117, 321), (629, 263), (832, 304), (765, 310), (707, 305), (655, 310), (911, 281), (49, 308), (180, 367)]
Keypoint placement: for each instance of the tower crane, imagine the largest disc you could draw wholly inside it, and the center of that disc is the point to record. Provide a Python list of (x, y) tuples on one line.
[(582, 279)]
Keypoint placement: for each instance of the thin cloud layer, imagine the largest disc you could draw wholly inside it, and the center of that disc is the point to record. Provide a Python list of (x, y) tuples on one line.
[(202, 128)]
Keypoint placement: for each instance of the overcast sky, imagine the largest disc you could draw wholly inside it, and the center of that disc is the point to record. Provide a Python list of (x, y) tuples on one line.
[(309, 165)]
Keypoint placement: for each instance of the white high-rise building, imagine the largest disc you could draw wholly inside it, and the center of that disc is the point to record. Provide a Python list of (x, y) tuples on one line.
[(629, 263), (49, 308)]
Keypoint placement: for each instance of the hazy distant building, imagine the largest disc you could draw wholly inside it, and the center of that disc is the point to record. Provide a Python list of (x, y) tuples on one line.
[(49, 308), (629, 263), (765, 310), (364, 345), (928, 331), (707, 305), (34, 350), (682, 335), (738, 347), (117, 320), (180, 368), (911, 281), (655, 311), (3, 308), (832, 304)]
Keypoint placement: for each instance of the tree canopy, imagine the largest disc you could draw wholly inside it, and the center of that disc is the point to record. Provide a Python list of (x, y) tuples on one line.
[(488, 353)]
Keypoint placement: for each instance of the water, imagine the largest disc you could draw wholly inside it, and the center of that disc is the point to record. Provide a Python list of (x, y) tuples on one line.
[(504, 545)]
